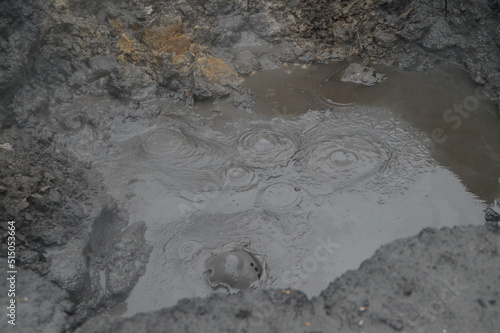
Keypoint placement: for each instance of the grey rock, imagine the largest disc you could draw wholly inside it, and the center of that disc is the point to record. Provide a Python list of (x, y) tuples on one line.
[(328, 54), (131, 83), (242, 99), (233, 23), (246, 63), (248, 38), (265, 26), (217, 6), (68, 267), (269, 61), (358, 73), (440, 36), (128, 260)]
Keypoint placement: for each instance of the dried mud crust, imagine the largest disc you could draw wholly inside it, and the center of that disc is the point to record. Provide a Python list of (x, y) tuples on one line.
[(446, 279)]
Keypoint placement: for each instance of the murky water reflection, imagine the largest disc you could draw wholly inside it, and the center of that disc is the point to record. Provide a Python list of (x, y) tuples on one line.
[(291, 194)]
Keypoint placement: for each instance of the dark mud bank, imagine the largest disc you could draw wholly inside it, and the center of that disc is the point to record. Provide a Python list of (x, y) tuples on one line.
[(54, 52), (64, 219)]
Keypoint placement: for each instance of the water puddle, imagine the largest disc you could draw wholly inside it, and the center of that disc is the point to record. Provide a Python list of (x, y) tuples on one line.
[(300, 189)]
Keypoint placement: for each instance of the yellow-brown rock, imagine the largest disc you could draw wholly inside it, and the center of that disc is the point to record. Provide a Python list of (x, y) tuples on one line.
[(216, 71), (213, 77), (162, 44), (164, 35), (130, 47), (125, 43), (116, 23)]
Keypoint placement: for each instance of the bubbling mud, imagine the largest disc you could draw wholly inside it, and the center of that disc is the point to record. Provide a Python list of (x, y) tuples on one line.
[(234, 270), (164, 143), (221, 253), (303, 195), (279, 197), (338, 160), (237, 176), (180, 155), (265, 148), (274, 198)]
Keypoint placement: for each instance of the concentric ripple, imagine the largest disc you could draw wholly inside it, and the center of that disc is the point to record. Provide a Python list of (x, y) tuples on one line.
[(237, 176), (191, 254), (189, 248), (189, 160), (342, 159), (164, 143), (265, 148), (338, 161), (279, 197)]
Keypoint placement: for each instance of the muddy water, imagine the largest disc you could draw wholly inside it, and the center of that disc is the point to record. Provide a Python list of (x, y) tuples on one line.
[(442, 101), (296, 191)]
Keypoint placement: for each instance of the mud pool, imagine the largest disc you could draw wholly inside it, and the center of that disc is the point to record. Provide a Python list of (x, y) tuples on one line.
[(299, 187)]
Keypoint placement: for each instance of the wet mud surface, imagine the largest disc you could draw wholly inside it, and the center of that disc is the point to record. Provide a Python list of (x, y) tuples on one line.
[(311, 194), (155, 152)]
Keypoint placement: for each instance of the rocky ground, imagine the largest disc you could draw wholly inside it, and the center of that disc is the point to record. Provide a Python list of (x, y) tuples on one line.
[(438, 281), (58, 50), (63, 217), (55, 51)]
